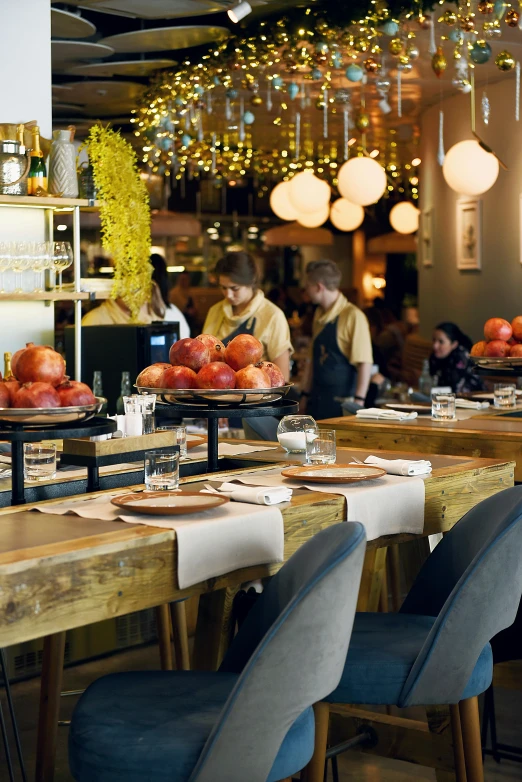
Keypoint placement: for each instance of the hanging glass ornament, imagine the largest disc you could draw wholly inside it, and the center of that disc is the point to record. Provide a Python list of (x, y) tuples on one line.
[(342, 96), (461, 81), (316, 74), (321, 47), (213, 152), (346, 131), (505, 61), (389, 28), (277, 82), (517, 91), (480, 52), (293, 90), (404, 67), (512, 18), (399, 90), (199, 127), (500, 9), (297, 136), (439, 62), (456, 36), (199, 90), (432, 46), (395, 46), (362, 121), (467, 23), (361, 44), (249, 118), (231, 93), (371, 65), (209, 102), (257, 100), (485, 108), (268, 95), (325, 114), (253, 85), (412, 51), (319, 102), (187, 120), (336, 60), (354, 72), (486, 6), (440, 151), (424, 21), (228, 109), (449, 18), (186, 140)]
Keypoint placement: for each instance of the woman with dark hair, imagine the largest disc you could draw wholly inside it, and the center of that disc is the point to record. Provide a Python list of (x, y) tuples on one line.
[(245, 310), (450, 364), (160, 297)]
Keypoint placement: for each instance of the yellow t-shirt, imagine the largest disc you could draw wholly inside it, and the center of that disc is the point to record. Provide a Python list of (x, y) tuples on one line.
[(271, 327), (109, 312), (353, 330)]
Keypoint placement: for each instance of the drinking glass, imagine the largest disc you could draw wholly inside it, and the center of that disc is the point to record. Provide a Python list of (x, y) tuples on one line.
[(504, 395), (62, 259), (143, 405), (39, 462), (292, 432), (162, 469), (442, 406), (5, 262), (181, 437), (320, 447)]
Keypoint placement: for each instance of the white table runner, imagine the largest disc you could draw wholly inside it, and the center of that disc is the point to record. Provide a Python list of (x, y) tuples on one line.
[(227, 449), (386, 506), (210, 543)]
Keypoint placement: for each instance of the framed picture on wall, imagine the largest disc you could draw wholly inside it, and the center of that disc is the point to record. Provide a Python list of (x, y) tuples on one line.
[(469, 233), (426, 234)]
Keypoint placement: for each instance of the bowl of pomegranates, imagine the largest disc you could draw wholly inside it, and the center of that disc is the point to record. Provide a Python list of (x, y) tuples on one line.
[(501, 347), (203, 370), (39, 393)]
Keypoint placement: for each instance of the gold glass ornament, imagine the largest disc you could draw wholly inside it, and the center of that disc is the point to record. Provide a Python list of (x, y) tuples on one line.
[(505, 61), (361, 44), (362, 121), (439, 62), (319, 103), (467, 23), (486, 7), (404, 59), (449, 18), (371, 65), (423, 20), (512, 18), (256, 100), (395, 46)]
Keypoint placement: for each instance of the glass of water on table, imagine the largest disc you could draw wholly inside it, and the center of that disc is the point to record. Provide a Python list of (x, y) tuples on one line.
[(162, 469), (39, 461), (504, 395), (321, 447)]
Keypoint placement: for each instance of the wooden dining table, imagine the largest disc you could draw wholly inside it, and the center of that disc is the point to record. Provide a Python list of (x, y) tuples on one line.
[(62, 572)]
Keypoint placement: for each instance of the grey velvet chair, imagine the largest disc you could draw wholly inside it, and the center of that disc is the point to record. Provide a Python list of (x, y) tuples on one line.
[(251, 720), (436, 650)]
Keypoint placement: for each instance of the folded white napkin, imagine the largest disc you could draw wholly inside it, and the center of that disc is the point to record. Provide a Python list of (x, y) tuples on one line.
[(385, 414), (264, 495), (400, 466), (470, 404)]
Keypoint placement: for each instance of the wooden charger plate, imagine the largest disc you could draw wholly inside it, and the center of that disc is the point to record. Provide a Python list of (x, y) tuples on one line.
[(334, 473), (168, 503)]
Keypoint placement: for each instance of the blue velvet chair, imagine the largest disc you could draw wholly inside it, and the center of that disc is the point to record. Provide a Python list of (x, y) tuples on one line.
[(251, 720), (436, 650)]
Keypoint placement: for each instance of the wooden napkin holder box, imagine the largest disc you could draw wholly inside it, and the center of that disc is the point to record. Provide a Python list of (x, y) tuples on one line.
[(131, 448)]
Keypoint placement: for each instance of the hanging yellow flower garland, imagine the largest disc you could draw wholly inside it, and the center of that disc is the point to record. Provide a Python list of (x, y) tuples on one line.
[(124, 214)]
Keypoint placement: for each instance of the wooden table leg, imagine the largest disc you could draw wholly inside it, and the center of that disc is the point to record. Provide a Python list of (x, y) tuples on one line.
[(179, 624), (394, 568), (439, 722), (470, 724), (372, 579), (383, 597), (50, 688), (164, 642), (214, 628)]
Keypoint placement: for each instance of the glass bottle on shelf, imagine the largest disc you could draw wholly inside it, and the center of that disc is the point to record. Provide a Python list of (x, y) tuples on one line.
[(425, 379), (125, 391), (37, 177), (8, 372), (97, 389)]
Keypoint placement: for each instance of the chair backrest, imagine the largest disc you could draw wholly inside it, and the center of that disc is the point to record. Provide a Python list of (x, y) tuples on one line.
[(291, 650), (472, 583)]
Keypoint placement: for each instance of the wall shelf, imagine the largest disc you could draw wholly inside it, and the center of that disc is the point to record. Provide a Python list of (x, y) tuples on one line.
[(48, 203), (56, 296)]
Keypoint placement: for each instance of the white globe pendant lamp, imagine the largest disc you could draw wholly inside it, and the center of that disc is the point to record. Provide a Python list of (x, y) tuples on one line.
[(469, 169), (314, 219), (281, 204), (345, 215), (362, 181), (308, 193), (404, 218)]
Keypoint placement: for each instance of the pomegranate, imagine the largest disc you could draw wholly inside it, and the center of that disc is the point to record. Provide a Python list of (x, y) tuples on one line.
[(497, 348), (217, 374), (5, 398), (12, 386), (215, 347), (516, 325), (40, 364), (242, 351), (190, 353), (478, 348), (252, 377), (180, 377), (73, 393), (516, 351), (37, 395), (497, 329), (16, 356), (152, 377), (275, 375)]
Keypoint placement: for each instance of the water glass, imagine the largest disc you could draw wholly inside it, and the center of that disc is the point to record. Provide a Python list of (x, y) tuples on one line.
[(180, 432), (39, 462), (148, 406), (504, 395), (139, 405), (443, 406), (162, 469), (320, 447)]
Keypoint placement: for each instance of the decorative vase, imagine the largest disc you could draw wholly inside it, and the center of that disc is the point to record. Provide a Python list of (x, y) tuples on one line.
[(292, 432), (63, 180)]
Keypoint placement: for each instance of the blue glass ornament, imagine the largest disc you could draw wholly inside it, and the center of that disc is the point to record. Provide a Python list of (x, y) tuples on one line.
[(231, 93), (480, 52), (277, 81), (389, 28), (186, 140), (248, 118), (293, 90), (316, 74), (354, 72)]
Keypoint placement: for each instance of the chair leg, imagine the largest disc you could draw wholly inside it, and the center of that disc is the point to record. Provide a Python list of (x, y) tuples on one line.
[(181, 646), (470, 724), (458, 747), (314, 771), (50, 688), (164, 642)]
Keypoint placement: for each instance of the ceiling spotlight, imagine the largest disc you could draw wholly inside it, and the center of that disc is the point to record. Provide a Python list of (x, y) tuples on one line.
[(239, 11)]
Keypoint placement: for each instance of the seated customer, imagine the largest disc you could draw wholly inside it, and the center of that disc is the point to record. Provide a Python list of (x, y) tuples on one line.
[(171, 314), (450, 364)]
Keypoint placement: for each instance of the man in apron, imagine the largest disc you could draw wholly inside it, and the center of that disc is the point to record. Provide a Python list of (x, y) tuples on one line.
[(341, 356)]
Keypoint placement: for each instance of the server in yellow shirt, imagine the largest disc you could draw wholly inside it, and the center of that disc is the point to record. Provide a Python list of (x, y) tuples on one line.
[(245, 310), (341, 348)]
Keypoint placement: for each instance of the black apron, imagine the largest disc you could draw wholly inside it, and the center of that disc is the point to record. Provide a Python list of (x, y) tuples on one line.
[(333, 375), (247, 327)]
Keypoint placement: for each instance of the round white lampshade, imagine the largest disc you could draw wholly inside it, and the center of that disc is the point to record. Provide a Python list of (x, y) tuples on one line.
[(280, 202), (314, 219), (404, 218), (468, 169), (345, 215), (362, 180), (308, 193)]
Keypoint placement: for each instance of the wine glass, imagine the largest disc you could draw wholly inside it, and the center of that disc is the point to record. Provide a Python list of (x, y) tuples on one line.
[(62, 259), (41, 261), (21, 262), (5, 262)]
